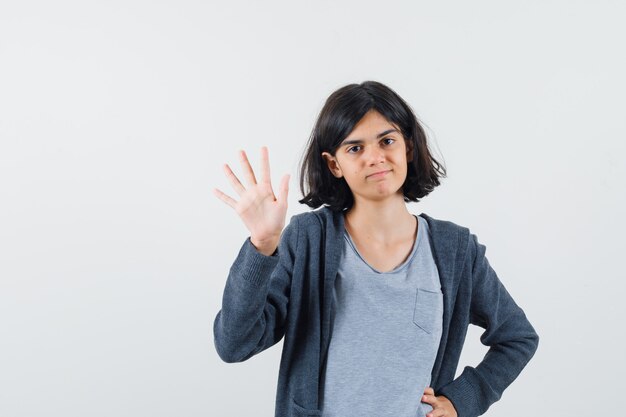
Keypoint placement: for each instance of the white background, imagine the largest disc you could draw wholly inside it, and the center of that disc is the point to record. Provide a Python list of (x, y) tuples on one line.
[(116, 118)]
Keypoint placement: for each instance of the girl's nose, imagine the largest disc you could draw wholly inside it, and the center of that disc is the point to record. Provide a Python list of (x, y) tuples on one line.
[(375, 155)]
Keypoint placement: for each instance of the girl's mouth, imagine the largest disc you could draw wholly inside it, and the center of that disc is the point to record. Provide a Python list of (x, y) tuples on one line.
[(379, 174)]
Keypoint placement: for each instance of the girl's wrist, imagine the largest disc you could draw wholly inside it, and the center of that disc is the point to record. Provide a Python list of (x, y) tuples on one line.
[(266, 247)]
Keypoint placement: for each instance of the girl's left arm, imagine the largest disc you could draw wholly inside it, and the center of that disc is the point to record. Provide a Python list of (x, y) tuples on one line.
[(511, 338)]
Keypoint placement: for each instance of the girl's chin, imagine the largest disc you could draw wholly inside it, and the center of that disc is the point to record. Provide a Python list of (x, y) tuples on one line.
[(382, 193)]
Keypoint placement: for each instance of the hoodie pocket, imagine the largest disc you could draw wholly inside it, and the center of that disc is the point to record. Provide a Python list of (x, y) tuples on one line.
[(303, 412), (428, 306)]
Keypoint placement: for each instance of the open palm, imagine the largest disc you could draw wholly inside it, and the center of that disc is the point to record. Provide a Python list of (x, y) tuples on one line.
[(260, 210)]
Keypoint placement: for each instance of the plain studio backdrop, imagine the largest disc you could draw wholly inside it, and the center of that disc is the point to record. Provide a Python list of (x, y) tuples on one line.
[(117, 116)]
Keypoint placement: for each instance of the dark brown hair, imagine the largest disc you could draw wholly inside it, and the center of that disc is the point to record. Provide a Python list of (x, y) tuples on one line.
[(343, 109)]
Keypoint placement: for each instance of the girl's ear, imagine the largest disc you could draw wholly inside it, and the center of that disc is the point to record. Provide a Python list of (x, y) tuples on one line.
[(409, 150), (332, 164)]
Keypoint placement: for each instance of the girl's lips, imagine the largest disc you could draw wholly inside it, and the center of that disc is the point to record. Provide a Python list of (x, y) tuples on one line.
[(379, 175)]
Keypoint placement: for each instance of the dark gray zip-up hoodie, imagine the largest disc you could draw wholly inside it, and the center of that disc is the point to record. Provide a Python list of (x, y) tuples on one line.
[(289, 294)]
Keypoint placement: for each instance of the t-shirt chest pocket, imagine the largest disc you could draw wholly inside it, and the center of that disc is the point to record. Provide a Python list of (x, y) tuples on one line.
[(428, 310)]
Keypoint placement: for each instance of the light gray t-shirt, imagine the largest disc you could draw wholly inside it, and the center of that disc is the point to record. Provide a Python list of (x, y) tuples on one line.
[(386, 329)]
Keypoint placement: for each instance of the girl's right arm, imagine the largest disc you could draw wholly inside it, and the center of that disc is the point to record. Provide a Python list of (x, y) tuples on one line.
[(254, 307), (255, 300)]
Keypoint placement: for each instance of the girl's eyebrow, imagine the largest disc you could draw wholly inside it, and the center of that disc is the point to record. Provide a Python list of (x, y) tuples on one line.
[(357, 141)]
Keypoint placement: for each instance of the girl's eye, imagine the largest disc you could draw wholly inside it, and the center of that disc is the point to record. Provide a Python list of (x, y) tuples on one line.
[(358, 146)]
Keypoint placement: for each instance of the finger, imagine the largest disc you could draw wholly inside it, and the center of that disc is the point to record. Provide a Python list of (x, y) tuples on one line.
[(433, 413), (226, 199), (234, 181), (265, 165), (428, 398), (429, 390), (247, 169), (437, 412), (265, 170), (284, 188)]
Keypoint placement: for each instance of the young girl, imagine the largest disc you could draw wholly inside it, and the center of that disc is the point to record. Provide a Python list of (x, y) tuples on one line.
[(373, 301)]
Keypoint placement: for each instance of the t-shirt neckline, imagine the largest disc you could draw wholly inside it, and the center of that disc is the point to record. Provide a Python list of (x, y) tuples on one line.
[(397, 268)]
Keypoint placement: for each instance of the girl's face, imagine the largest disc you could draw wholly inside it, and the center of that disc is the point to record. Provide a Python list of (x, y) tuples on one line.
[(374, 145)]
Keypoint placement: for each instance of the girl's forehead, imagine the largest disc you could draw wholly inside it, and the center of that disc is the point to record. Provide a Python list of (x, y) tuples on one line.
[(373, 124)]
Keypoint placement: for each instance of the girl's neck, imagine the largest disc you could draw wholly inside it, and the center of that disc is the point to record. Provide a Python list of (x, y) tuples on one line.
[(382, 223)]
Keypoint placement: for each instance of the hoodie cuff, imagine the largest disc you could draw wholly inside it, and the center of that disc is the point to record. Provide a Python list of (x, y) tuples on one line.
[(462, 392), (252, 266)]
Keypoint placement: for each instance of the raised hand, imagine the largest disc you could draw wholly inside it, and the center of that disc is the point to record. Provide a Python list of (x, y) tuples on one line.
[(262, 213)]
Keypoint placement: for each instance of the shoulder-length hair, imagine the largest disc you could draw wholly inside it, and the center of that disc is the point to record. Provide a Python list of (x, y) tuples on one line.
[(343, 109)]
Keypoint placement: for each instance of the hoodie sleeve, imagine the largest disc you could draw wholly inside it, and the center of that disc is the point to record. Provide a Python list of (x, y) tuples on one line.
[(511, 338), (255, 299)]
